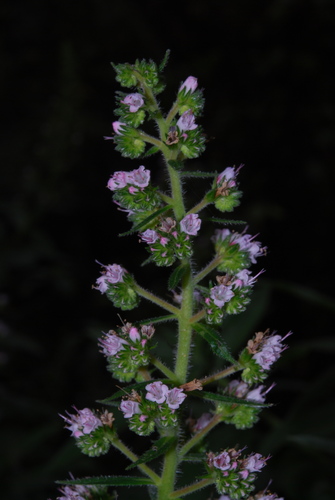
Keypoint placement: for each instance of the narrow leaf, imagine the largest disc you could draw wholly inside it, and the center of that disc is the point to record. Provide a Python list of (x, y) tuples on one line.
[(151, 151), (146, 221), (158, 319), (212, 396), (212, 337), (164, 61), (177, 165), (226, 221), (110, 481), (158, 448), (176, 276)]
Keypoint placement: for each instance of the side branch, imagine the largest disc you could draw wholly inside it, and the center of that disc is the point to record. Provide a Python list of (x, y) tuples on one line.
[(156, 300)]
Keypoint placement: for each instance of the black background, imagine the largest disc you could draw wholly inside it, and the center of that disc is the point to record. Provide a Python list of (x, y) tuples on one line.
[(266, 71)]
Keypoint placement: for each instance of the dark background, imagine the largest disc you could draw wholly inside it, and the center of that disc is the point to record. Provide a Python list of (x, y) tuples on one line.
[(266, 70)]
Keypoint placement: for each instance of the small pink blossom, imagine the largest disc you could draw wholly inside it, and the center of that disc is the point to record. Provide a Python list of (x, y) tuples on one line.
[(134, 334), (238, 388), (111, 344), (175, 397), (118, 127), (157, 392), (134, 101), (270, 351), (202, 421), (149, 236), (222, 461), (112, 274), (254, 462), (228, 175), (221, 294), (140, 177), (258, 394), (187, 121), (190, 84), (74, 492), (129, 408), (84, 422), (118, 181), (190, 224)]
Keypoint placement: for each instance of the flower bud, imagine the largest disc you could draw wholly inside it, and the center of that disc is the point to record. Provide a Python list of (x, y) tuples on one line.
[(189, 85)]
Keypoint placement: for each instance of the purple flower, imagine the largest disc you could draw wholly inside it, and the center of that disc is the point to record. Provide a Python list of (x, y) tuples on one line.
[(222, 461), (270, 351), (149, 236), (190, 224), (246, 243), (238, 388), (134, 334), (190, 84), (118, 127), (228, 175), (202, 421), (157, 392), (254, 463), (135, 102), (75, 492), (221, 294), (84, 422), (175, 397), (118, 181), (112, 274), (187, 121), (140, 177), (129, 408), (111, 344), (258, 394)]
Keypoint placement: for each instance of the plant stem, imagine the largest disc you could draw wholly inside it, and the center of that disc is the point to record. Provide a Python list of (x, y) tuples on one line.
[(199, 435), (164, 369), (222, 374), (191, 488), (156, 300), (206, 270), (118, 444), (168, 475)]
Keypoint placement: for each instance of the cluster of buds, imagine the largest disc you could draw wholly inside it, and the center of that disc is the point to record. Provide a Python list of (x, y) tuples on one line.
[(170, 241), (234, 475), (242, 416), (93, 433), (119, 286), (259, 355), (237, 251), (230, 296), (261, 495), (127, 350), (157, 407), (226, 194), (133, 193)]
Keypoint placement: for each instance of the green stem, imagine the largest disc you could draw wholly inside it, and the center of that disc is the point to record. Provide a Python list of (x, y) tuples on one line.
[(176, 192), (199, 206), (198, 316), (172, 113), (199, 435), (220, 375), (168, 474), (118, 444), (191, 488), (152, 140), (156, 300), (163, 368), (206, 270)]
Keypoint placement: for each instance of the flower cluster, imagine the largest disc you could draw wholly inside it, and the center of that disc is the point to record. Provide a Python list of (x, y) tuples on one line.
[(157, 407), (259, 355), (127, 350), (234, 475), (80, 492), (227, 196), (230, 296), (243, 416), (119, 286), (237, 251), (169, 241), (93, 434)]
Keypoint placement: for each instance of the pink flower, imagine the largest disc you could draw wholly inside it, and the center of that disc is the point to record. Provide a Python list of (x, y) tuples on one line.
[(228, 175), (258, 394), (190, 224), (222, 461), (175, 397), (133, 334), (111, 344), (140, 177), (270, 351), (221, 294), (118, 181), (135, 102), (114, 273), (187, 121), (238, 388), (129, 408), (149, 236), (118, 127), (84, 422), (202, 422), (75, 492), (254, 463), (190, 84), (157, 392)]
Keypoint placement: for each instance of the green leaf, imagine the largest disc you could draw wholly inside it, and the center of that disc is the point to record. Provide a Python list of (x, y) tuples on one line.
[(212, 396), (158, 319), (212, 337), (146, 221), (151, 151), (176, 276), (193, 457), (164, 61), (177, 165), (226, 221), (158, 448), (110, 481), (198, 174)]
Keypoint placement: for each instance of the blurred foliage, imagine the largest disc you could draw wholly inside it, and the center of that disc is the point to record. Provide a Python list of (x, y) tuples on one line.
[(266, 71)]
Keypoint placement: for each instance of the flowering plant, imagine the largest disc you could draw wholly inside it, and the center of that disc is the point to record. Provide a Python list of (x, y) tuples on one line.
[(158, 401)]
